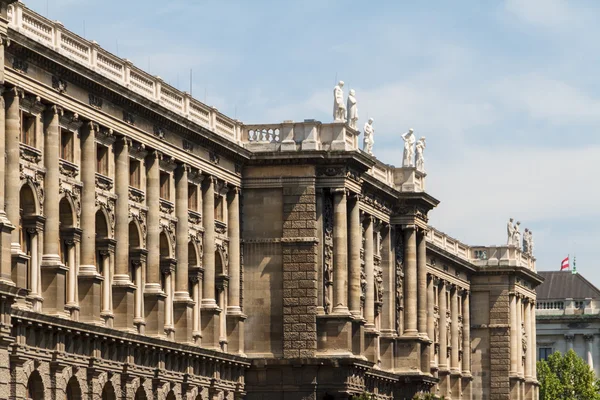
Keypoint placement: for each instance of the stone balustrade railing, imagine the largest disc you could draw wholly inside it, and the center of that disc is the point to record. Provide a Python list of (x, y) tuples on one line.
[(482, 255), (52, 34), (567, 306)]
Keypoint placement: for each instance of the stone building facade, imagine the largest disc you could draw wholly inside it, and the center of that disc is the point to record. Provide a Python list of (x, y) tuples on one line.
[(154, 248), (568, 317)]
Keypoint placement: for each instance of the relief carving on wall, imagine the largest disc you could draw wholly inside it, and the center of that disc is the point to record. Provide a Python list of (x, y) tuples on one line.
[(169, 228), (327, 252), (363, 273)]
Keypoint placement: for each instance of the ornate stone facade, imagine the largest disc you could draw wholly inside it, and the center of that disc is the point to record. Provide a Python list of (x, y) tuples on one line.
[(154, 248)]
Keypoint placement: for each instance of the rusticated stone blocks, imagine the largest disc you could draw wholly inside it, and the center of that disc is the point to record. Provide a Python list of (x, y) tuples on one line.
[(299, 272)]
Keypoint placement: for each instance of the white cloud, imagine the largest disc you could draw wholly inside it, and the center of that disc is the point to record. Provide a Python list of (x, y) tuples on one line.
[(544, 13)]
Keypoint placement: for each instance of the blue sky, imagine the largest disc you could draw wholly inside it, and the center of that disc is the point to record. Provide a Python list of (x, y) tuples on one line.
[(507, 92)]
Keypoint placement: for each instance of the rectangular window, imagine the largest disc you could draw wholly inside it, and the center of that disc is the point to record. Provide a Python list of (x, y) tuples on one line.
[(102, 160), (219, 208), (28, 129), (66, 145), (165, 186), (134, 173), (193, 197), (545, 352)]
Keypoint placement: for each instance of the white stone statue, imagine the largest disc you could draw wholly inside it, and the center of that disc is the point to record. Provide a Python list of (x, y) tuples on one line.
[(339, 109), (530, 243), (510, 231), (352, 110), (409, 151), (526, 241), (368, 137), (420, 161), (517, 235)]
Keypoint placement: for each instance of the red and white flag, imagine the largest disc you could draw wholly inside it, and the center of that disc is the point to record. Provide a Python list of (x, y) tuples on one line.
[(564, 264)]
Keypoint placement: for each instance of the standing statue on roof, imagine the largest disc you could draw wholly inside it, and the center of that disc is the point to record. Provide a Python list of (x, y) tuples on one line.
[(420, 161), (510, 231), (517, 235), (339, 109), (352, 110), (409, 151), (368, 137)]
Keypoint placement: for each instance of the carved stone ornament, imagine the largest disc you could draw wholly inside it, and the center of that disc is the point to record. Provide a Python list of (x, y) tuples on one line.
[(378, 280), (399, 250), (29, 153), (59, 84), (20, 65), (128, 118), (327, 252), (95, 101), (194, 218), (158, 132), (36, 180), (136, 195), (376, 202), (333, 171), (188, 146), (214, 157), (103, 182)]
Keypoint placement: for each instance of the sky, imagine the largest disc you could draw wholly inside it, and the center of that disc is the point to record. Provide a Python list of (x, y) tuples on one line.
[(506, 92)]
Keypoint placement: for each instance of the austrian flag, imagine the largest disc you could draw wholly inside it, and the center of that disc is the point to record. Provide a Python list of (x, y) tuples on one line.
[(564, 264)]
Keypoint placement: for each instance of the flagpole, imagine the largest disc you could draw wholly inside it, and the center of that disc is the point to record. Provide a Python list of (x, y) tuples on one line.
[(574, 264)]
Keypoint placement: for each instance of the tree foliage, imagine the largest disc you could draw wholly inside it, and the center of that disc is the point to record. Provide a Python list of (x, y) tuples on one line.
[(567, 377)]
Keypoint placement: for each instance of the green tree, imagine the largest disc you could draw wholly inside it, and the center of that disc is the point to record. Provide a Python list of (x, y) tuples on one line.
[(567, 377)]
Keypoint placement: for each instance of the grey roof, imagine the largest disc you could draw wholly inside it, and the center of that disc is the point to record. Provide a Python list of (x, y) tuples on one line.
[(564, 284)]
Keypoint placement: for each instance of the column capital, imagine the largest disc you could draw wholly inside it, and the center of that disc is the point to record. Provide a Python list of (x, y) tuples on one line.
[(55, 110), (463, 292), (92, 126), (14, 91), (405, 227), (569, 337), (588, 337), (209, 179), (234, 191), (341, 191)]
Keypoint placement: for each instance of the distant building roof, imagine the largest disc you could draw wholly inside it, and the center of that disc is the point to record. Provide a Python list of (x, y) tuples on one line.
[(564, 284)]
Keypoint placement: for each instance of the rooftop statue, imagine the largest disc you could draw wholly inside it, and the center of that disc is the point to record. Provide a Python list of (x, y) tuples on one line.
[(368, 137), (510, 231), (517, 235), (339, 110), (420, 161), (352, 110), (409, 151)]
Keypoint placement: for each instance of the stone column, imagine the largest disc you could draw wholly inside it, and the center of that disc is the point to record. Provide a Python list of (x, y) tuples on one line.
[(354, 267), (443, 364), (196, 333), (534, 342), (466, 336), (235, 319), (454, 364), (422, 282), (431, 319), (154, 297), (569, 339), (340, 253), (72, 277), (370, 274), (12, 177), (88, 278), (123, 288), (210, 310), (233, 231), (410, 281), (53, 272), (519, 335), (529, 351), (182, 303), (6, 227), (106, 285), (514, 354), (33, 263), (589, 339)]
